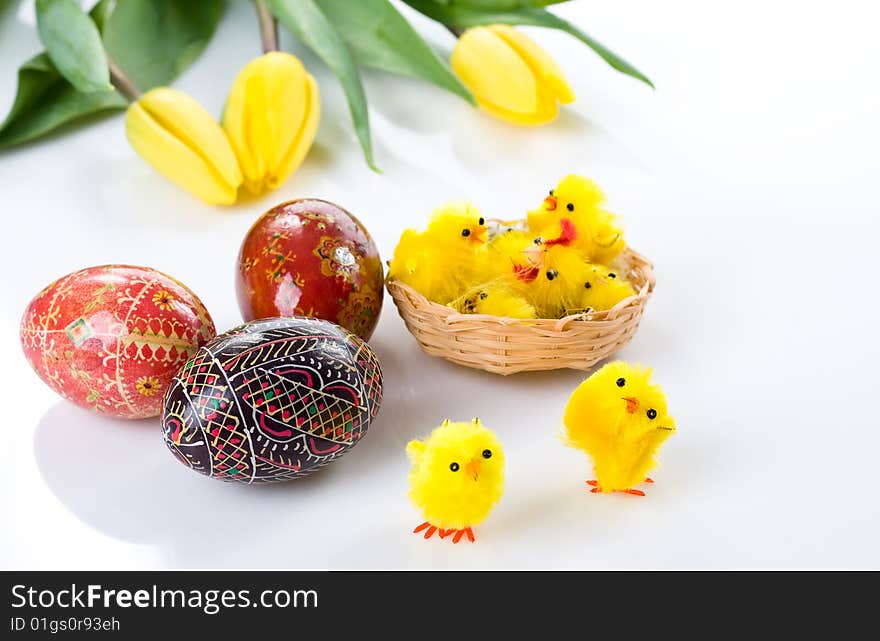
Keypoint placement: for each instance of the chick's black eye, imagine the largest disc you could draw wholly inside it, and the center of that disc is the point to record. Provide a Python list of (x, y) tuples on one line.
[(487, 453), (483, 295), (652, 413), (482, 221), (465, 232), (453, 467), (551, 274), (587, 285), (569, 207), (612, 275), (551, 192), (621, 382)]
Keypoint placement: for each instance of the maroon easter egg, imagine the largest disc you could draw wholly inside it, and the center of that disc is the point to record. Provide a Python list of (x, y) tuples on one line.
[(111, 338), (272, 400), (310, 257)]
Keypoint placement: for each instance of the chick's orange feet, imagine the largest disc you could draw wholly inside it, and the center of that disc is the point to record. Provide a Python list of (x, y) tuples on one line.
[(458, 534), (429, 530), (595, 489)]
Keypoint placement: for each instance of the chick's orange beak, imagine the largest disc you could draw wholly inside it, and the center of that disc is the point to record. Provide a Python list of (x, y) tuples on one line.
[(473, 468), (550, 202), (477, 235), (632, 404)]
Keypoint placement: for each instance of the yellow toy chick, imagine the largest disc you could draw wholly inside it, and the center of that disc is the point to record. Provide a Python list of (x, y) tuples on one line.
[(619, 418), (459, 233), (581, 192), (456, 479), (494, 300), (558, 285), (571, 214), (603, 289), (411, 264), (447, 257), (515, 253)]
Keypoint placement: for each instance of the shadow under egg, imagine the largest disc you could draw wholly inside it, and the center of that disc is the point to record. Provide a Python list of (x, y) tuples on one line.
[(119, 478)]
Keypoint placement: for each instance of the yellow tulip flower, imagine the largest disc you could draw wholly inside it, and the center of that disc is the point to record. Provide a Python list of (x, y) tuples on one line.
[(511, 77), (184, 143), (271, 117)]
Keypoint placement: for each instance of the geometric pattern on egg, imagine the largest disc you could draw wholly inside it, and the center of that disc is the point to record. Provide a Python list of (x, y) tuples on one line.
[(272, 400)]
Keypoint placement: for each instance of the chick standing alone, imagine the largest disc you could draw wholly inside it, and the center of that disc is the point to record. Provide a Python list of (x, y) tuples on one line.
[(456, 479), (619, 418)]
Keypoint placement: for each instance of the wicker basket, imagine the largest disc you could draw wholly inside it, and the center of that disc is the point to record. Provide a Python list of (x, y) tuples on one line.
[(508, 345)]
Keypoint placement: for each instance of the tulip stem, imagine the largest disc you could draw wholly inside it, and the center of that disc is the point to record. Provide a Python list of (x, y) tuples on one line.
[(268, 27), (122, 82)]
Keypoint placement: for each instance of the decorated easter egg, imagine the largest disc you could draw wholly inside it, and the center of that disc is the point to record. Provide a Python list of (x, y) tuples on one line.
[(272, 400), (111, 338), (312, 258)]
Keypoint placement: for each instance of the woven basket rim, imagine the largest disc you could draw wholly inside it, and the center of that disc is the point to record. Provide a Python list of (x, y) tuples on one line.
[(451, 316)]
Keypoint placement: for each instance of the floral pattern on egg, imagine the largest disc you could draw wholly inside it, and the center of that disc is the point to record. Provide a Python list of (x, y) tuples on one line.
[(110, 338), (311, 257)]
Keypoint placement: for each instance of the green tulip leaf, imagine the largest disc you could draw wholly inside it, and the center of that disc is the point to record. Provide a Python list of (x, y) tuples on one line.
[(454, 13), (380, 37), (73, 43), (153, 41), (45, 100), (305, 20), (101, 12)]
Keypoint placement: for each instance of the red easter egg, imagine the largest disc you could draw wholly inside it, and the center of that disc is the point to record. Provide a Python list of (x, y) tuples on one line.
[(111, 338), (310, 257)]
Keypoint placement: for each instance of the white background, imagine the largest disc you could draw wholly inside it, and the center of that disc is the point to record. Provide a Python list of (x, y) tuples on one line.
[(750, 178)]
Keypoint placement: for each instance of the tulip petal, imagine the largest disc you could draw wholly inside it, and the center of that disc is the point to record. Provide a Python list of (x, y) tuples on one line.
[(297, 150), (189, 122), (173, 159), (287, 103), (264, 117), (494, 72), (184, 143), (538, 60), (547, 111), (235, 124)]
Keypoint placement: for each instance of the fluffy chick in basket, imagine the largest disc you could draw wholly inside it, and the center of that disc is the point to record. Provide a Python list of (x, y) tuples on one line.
[(557, 286), (603, 289), (549, 275), (571, 214), (447, 257), (515, 253), (619, 418), (456, 479), (413, 264), (494, 300)]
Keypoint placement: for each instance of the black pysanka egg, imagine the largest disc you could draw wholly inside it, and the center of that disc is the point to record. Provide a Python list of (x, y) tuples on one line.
[(272, 400)]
